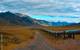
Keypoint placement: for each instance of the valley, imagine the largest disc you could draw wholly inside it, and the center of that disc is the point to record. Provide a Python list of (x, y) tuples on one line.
[(21, 32), (29, 36)]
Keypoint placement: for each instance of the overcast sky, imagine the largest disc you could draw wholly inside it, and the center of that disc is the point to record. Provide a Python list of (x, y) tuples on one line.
[(45, 7), (42, 7)]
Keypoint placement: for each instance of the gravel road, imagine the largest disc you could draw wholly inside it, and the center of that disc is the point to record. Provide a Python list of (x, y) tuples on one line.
[(38, 43)]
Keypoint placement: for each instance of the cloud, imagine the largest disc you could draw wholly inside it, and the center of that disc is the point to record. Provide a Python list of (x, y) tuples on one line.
[(44, 7)]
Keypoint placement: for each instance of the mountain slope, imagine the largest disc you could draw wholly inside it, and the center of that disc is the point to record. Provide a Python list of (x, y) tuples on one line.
[(9, 18), (47, 23), (13, 19)]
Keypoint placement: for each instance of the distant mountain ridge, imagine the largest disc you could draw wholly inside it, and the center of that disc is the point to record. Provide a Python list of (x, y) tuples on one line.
[(14, 19), (9, 18), (47, 23)]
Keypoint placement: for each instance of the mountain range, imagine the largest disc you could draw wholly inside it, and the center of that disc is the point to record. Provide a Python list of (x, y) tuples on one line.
[(9, 18), (47, 23), (15, 19)]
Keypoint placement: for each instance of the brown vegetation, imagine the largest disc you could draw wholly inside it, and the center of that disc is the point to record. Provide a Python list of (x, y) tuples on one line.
[(60, 43), (22, 33), (27, 34)]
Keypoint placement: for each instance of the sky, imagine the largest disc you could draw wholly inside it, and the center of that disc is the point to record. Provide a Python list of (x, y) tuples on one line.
[(43, 8)]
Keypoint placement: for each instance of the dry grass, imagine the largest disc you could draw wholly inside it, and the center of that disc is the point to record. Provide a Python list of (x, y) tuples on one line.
[(62, 28), (26, 34), (63, 44), (23, 33)]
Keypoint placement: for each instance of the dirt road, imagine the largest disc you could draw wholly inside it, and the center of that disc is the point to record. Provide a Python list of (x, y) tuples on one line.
[(39, 43)]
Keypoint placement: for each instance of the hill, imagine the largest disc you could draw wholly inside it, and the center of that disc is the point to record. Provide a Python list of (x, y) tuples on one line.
[(55, 24), (13, 19)]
